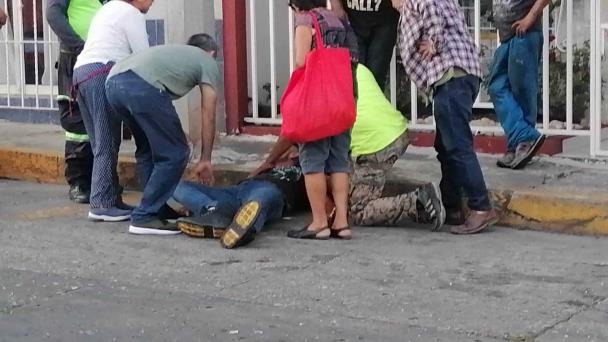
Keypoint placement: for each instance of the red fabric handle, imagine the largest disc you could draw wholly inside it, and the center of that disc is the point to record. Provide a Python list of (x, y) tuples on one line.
[(101, 71), (318, 35)]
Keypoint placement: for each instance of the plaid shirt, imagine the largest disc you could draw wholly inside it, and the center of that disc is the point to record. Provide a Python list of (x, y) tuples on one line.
[(442, 24)]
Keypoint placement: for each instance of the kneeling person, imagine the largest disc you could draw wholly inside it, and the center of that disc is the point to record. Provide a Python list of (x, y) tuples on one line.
[(379, 138), (236, 213)]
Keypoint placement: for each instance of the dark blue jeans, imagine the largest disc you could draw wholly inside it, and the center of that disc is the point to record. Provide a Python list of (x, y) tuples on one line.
[(162, 150), (453, 107), (514, 87), (198, 198)]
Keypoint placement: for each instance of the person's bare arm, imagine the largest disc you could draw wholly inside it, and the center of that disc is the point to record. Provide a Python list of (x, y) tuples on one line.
[(204, 169), (303, 44), (209, 98), (3, 18), (280, 147), (336, 6), (522, 26)]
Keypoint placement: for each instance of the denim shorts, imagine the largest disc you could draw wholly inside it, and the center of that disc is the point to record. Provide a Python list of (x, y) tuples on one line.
[(329, 155)]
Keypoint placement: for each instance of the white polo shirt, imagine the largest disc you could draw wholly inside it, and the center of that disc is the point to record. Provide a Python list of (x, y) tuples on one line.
[(117, 31)]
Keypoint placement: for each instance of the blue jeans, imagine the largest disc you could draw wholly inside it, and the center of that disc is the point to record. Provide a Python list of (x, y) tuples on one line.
[(514, 87), (198, 198), (162, 150), (453, 108)]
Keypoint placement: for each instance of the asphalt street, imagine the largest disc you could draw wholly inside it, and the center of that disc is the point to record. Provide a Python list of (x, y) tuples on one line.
[(63, 278)]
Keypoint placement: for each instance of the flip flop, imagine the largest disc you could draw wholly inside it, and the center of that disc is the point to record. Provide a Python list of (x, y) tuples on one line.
[(336, 233), (304, 233)]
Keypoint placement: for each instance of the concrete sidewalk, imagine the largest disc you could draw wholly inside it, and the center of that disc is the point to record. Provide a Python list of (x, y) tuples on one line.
[(554, 194)]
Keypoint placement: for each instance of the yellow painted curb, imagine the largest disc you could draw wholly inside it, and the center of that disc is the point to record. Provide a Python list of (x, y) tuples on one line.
[(48, 167), (573, 214), (556, 209), (598, 226), (31, 165)]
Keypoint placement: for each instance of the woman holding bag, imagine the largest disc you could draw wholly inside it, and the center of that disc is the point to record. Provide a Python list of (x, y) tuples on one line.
[(328, 156)]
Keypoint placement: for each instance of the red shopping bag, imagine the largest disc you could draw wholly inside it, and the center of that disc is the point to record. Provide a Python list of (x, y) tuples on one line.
[(318, 101)]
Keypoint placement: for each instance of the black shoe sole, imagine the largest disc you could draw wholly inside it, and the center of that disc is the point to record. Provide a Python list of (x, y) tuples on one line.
[(522, 163)]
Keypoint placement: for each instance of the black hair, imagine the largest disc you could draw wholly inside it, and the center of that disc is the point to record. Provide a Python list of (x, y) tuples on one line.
[(203, 41), (307, 5)]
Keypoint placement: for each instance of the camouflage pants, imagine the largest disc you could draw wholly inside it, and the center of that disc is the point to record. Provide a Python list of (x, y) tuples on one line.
[(367, 206)]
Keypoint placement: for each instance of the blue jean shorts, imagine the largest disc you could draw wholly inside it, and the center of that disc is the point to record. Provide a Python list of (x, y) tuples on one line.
[(329, 155)]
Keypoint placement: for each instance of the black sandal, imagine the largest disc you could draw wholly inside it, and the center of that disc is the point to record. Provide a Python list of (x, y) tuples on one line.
[(304, 233), (337, 233)]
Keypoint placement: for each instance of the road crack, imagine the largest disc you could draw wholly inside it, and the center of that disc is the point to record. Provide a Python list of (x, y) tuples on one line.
[(583, 309)]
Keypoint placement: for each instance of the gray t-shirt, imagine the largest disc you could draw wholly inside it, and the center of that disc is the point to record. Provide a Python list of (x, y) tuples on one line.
[(507, 12), (175, 69)]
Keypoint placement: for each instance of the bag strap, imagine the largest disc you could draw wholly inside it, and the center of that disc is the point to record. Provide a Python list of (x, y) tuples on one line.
[(101, 71), (74, 89), (318, 36)]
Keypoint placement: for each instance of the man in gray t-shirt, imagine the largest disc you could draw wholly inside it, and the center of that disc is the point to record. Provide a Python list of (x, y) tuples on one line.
[(514, 78), (174, 69), (140, 89)]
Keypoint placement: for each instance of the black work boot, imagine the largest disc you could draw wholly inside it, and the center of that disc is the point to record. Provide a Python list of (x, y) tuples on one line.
[(79, 195), (210, 225)]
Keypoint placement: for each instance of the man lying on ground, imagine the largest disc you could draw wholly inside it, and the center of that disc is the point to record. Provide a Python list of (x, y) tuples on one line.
[(236, 213)]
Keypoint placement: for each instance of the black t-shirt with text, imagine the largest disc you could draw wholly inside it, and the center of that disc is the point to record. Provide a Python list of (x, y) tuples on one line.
[(367, 13)]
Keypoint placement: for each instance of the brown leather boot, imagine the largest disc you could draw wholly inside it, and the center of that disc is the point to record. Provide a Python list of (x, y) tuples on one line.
[(476, 222)]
